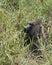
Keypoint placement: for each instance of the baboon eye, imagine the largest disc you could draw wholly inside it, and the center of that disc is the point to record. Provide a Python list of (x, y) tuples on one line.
[(31, 24)]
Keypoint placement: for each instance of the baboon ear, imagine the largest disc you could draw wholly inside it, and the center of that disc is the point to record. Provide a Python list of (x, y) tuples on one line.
[(41, 26), (43, 34)]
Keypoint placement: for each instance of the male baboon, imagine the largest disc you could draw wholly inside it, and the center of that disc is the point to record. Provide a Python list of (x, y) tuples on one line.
[(34, 30)]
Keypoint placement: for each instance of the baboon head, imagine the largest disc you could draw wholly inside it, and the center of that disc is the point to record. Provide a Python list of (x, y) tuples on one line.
[(34, 30)]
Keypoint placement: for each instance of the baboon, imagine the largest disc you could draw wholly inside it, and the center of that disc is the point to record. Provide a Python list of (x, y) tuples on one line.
[(34, 30)]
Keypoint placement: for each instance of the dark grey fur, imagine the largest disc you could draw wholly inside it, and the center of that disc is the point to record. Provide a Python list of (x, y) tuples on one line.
[(34, 30)]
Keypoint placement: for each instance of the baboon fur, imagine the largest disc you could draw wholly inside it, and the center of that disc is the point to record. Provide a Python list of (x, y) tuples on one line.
[(34, 30)]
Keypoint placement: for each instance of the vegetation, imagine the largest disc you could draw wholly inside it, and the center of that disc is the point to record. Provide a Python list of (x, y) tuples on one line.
[(14, 15)]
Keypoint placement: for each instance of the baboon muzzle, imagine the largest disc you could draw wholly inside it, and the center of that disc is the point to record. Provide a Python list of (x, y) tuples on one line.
[(27, 28)]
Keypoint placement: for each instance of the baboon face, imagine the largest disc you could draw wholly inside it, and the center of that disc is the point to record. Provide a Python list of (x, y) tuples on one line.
[(33, 29)]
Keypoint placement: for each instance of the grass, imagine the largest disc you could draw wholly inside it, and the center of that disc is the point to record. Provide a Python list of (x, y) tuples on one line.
[(14, 15)]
